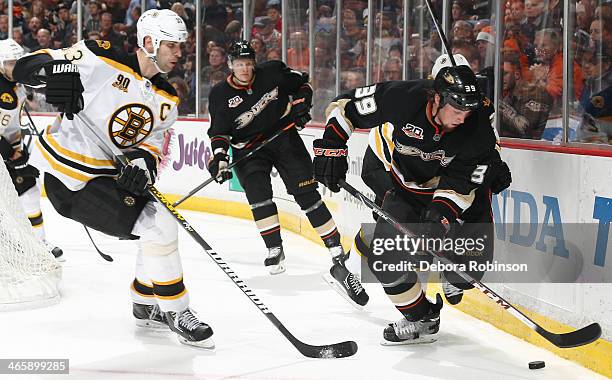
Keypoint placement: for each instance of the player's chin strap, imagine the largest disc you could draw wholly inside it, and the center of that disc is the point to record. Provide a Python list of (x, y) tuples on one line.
[(153, 58)]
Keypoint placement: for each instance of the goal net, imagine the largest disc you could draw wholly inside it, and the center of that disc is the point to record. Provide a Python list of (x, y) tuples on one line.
[(29, 274)]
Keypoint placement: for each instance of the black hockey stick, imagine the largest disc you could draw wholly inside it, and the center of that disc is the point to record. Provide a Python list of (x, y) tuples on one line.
[(234, 163), (35, 131), (336, 350), (571, 339), (441, 33)]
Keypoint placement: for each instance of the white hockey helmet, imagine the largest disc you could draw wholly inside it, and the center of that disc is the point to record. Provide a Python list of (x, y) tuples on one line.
[(444, 61), (10, 50), (160, 25)]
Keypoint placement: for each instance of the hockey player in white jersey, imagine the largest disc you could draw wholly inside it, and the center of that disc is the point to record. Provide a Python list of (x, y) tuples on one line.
[(12, 149), (127, 98)]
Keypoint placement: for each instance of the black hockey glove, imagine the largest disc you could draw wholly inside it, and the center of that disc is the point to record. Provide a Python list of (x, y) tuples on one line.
[(434, 224), (6, 149), (300, 113), (64, 88), (217, 167), (502, 177), (330, 163), (140, 173)]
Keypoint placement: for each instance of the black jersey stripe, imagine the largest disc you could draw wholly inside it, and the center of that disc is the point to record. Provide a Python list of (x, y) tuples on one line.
[(73, 164)]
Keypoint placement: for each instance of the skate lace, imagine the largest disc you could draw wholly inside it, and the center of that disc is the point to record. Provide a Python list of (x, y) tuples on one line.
[(451, 290), (274, 251), (404, 327), (188, 320), (354, 283)]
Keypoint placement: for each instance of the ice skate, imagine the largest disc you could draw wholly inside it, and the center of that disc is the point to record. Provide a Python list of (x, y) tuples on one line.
[(189, 329), (275, 262), (452, 293), (421, 331), (149, 316), (347, 285)]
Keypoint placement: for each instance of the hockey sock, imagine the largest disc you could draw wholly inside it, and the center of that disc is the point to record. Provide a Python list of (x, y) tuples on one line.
[(321, 220), (30, 200), (141, 288), (408, 297), (266, 218), (166, 275)]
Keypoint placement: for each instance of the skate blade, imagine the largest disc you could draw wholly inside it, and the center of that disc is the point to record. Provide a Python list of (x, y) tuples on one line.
[(340, 290), (153, 325), (208, 343), (277, 269), (61, 258), (424, 340)]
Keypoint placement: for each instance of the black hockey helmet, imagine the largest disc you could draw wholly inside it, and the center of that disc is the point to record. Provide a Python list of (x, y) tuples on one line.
[(458, 86), (241, 49)]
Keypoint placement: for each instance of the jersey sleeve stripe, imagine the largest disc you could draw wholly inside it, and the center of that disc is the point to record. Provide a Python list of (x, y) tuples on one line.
[(76, 156), (462, 201)]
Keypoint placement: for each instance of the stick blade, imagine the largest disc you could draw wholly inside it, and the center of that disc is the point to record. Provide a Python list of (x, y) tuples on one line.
[(330, 351), (584, 336)]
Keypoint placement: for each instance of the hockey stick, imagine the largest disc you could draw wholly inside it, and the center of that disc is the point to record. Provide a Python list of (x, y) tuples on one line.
[(571, 339), (336, 350), (441, 33), (34, 130), (234, 163)]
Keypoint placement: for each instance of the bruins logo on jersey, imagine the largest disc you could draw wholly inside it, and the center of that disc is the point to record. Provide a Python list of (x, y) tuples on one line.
[(103, 44), (130, 125), (7, 98)]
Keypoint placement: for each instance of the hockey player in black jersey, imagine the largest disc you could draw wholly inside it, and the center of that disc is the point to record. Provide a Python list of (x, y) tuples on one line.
[(12, 148), (253, 103), (444, 152), (130, 104)]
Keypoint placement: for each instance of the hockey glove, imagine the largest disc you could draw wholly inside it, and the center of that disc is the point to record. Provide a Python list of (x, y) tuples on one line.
[(330, 163), (434, 224), (139, 174), (217, 167), (300, 113), (64, 88), (502, 177)]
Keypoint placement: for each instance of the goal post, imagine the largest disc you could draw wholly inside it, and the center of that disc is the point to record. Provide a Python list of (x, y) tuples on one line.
[(29, 273)]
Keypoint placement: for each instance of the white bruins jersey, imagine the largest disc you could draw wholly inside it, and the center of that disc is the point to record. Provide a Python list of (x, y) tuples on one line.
[(130, 110), (12, 96)]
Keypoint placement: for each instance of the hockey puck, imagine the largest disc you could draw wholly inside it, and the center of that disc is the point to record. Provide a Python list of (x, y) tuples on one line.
[(537, 364)]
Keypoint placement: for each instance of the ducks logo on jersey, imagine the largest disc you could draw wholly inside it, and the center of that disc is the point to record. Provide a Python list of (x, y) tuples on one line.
[(130, 125)]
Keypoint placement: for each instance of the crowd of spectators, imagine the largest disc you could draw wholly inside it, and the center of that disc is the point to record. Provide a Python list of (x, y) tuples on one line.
[(532, 56)]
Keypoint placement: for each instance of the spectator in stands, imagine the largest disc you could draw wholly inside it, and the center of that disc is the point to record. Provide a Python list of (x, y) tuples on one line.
[(217, 63), (547, 72), (233, 31), (64, 28), (185, 107), (601, 35), (583, 19), (298, 53), (93, 22), (485, 42), (470, 52), (353, 78), (352, 30), (524, 107), (460, 9), (463, 31), (536, 14), (37, 9), (43, 39), (117, 10), (18, 37), (130, 16), (597, 76), (273, 10), (4, 27), (18, 16), (395, 50), (29, 39), (273, 55), (107, 32), (265, 30), (259, 48), (185, 14), (392, 69), (517, 13), (480, 25)]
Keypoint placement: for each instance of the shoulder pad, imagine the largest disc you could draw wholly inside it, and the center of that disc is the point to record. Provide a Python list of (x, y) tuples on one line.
[(8, 97), (271, 65), (105, 49)]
